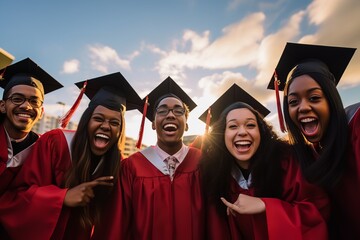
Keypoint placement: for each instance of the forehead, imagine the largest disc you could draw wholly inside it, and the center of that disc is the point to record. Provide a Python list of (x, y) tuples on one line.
[(170, 101), (26, 90), (240, 114), (101, 110), (302, 83)]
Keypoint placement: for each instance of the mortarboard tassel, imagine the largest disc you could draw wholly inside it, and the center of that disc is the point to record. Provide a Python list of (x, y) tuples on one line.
[(278, 105), (66, 118), (141, 132)]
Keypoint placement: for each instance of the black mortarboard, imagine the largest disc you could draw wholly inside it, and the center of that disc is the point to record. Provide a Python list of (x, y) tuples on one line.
[(168, 86), (111, 91), (333, 59), (27, 72), (300, 59), (233, 94)]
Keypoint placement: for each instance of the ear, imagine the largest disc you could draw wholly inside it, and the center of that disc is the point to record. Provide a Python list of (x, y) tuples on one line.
[(2, 106), (41, 113), (186, 127), (153, 125)]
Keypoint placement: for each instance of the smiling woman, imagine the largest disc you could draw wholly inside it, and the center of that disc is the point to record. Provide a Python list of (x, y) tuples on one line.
[(70, 175), (324, 136)]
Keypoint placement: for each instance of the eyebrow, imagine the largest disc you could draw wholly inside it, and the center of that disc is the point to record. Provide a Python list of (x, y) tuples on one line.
[(235, 119), (307, 91), (165, 105)]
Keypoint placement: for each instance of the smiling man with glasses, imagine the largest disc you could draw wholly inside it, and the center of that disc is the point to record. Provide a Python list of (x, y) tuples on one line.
[(160, 184), (25, 85)]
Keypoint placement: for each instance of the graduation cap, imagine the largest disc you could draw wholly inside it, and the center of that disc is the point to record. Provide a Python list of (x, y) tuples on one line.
[(315, 58), (233, 94), (112, 91), (27, 72), (5, 58), (166, 88), (300, 59)]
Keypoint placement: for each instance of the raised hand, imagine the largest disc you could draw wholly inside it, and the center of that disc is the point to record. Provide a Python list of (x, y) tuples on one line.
[(82, 194)]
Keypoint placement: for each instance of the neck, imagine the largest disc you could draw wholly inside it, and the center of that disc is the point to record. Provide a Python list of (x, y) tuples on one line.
[(14, 134), (171, 149)]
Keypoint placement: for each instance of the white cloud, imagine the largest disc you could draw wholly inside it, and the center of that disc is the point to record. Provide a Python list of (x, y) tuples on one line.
[(236, 47), (271, 48), (338, 23), (104, 57), (71, 66)]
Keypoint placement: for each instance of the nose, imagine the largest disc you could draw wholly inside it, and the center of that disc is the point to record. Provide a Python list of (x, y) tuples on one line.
[(26, 104), (170, 113), (304, 106), (105, 125), (241, 131)]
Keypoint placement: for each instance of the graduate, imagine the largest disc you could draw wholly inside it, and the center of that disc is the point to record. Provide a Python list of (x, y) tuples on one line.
[(325, 136), (21, 107), (253, 187), (161, 183), (68, 177)]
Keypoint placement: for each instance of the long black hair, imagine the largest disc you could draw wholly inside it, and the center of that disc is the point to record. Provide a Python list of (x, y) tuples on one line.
[(328, 168), (82, 163), (265, 166)]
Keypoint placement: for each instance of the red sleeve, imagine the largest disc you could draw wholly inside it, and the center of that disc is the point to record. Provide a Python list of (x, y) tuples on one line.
[(346, 197), (117, 224), (34, 200), (302, 213)]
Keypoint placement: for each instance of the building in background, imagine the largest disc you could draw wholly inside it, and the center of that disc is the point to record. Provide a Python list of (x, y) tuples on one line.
[(130, 147), (48, 122)]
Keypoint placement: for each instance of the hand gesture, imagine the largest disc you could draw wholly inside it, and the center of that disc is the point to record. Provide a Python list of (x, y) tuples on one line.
[(82, 194), (245, 205)]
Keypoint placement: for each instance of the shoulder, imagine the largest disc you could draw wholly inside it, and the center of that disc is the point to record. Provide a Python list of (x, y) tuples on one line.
[(194, 151), (352, 111), (52, 135)]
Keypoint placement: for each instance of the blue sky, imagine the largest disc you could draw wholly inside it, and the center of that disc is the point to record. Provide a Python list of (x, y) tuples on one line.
[(205, 46)]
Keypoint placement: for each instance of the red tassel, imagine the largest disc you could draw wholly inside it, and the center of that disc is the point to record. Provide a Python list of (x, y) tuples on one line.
[(66, 118), (278, 104), (141, 132)]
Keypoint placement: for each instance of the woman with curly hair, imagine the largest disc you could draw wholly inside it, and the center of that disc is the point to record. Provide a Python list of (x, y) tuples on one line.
[(250, 174)]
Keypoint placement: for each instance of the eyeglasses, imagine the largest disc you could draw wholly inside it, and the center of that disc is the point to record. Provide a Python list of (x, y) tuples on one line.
[(19, 99), (164, 111)]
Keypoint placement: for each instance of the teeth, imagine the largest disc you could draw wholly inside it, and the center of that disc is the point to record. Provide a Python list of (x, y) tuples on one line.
[(102, 136), (24, 115), (170, 125), (242, 143), (306, 120)]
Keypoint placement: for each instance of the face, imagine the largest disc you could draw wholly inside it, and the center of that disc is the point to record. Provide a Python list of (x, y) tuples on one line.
[(170, 127), (242, 135), (308, 108), (21, 118), (104, 129)]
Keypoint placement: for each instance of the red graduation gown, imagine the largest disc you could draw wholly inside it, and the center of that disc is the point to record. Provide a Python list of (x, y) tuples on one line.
[(345, 222), (7, 174), (33, 208), (299, 214), (159, 208)]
